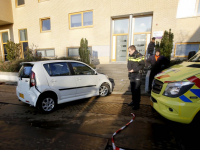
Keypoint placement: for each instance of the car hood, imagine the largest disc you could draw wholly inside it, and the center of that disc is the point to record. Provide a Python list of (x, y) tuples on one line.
[(179, 72)]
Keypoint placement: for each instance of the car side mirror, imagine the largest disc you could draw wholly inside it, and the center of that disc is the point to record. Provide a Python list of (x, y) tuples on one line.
[(191, 54)]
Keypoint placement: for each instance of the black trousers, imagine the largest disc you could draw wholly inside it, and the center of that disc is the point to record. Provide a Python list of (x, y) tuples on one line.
[(135, 90)]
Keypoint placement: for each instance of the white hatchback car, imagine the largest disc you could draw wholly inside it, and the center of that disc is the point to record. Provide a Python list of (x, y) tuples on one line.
[(45, 84)]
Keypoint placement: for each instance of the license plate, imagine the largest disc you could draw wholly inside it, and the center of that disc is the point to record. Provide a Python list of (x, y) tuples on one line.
[(21, 95), (151, 103)]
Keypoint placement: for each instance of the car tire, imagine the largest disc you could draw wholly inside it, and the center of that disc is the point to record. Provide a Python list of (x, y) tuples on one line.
[(104, 90), (47, 104)]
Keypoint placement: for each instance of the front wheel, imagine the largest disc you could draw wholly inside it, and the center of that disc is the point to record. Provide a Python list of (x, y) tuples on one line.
[(47, 104), (104, 90)]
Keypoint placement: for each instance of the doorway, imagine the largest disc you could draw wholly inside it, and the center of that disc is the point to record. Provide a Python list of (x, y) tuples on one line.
[(140, 29)]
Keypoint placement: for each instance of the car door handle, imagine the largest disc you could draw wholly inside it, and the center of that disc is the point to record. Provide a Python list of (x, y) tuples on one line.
[(78, 79), (53, 80)]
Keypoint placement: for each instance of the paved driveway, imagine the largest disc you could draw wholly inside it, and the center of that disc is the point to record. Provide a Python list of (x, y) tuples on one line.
[(88, 124)]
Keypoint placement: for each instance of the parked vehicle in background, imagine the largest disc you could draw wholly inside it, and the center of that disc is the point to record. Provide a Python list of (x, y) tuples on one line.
[(176, 91), (45, 84)]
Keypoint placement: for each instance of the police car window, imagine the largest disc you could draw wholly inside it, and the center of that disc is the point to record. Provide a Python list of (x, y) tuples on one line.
[(58, 69), (25, 71), (81, 69)]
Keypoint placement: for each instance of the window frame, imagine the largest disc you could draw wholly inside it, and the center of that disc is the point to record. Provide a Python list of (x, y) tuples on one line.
[(196, 8), (44, 49), (82, 74), (197, 3), (16, 4), (185, 43), (2, 44), (67, 50), (21, 42), (42, 19), (51, 74), (82, 26)]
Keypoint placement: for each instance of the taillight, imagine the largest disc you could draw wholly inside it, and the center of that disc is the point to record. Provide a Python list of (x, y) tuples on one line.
[(33, 79)]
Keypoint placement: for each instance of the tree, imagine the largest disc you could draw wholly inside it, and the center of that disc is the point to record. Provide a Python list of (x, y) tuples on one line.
[(13, 50), (84, 52), (166, 44)]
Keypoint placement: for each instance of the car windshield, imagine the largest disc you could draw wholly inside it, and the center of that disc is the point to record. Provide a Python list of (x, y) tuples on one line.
[(195, 58)]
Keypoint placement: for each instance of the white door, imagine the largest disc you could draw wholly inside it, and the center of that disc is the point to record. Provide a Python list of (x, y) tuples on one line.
[(61, 80), (86, 80)]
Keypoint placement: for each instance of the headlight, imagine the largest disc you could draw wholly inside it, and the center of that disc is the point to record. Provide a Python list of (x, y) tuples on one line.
[(177, 89), (107, 76)]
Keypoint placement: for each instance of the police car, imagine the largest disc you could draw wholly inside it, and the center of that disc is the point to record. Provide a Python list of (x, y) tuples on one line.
[(176, 91)]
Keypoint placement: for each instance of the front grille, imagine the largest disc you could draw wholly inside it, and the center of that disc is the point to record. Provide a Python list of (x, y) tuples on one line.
[(157, 86)]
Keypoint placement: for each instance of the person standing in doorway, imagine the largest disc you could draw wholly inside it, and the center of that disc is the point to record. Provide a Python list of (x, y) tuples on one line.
[(158, 63), (135, 65), (151, 47)]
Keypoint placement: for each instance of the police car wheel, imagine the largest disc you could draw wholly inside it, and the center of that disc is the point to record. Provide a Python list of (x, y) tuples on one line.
[(104, 90)]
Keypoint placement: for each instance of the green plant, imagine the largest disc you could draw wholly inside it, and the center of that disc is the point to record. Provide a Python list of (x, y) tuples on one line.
[(84, 52), (13, 50), (166, 44), (30, 54)]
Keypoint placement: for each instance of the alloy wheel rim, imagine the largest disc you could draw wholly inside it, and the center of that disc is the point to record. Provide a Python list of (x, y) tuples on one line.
[(48, 104), (103, 90)]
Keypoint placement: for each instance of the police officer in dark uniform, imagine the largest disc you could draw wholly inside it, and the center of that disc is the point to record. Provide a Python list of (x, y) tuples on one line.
[(135, 65)]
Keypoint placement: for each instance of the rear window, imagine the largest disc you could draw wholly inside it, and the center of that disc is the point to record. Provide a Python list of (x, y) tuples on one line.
[(25, 71), (57, 69)]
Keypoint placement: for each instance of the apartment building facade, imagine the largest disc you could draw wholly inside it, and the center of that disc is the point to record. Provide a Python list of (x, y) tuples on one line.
[(56, 27)]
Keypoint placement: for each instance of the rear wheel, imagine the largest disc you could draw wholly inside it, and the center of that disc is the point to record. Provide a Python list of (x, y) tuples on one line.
[(47, 104), (104, 90)]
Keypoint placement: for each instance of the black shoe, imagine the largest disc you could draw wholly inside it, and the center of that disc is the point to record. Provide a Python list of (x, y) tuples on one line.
[(130, 104), (136, 107)]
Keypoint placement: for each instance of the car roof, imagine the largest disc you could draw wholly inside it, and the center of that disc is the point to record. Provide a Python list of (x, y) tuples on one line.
[(48, 61)]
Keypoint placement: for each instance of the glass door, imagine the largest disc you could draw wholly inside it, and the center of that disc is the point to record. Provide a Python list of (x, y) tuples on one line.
[(4, 39), (121, 48), (140, 42), (120, 39), (142, 32)]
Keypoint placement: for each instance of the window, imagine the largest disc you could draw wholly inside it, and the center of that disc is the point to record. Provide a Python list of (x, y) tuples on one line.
[(20, 3), (121, 26), (25, 71), (74, 51), (188, 8), (81, 19), (23, 40), (4, 39), (46, 52), (45, 25), (143, 24), (57, 69), (81, 69), (183, 49)]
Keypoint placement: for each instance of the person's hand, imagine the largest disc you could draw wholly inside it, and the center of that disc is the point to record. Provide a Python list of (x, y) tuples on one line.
[(131, 70)]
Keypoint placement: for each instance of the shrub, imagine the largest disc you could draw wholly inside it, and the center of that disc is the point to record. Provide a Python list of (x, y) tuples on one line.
[(84, 52), (13, 50), (166, 44)]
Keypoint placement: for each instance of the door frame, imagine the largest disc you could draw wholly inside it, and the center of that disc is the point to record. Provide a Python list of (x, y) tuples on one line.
[(2, 43), (130, 31), (116, 44)]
